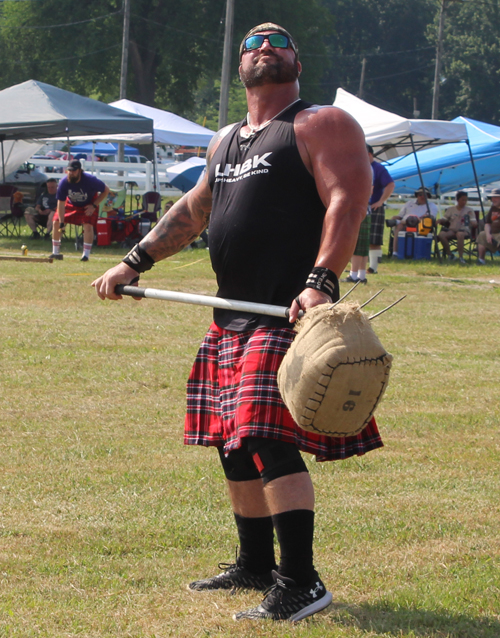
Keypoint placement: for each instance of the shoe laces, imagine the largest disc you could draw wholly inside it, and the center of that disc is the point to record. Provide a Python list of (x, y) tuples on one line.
[(231, 567)]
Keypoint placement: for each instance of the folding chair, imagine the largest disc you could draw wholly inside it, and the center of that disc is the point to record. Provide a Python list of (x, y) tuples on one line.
[(470, 246), (151, 206), (114, 204), (11, 212)]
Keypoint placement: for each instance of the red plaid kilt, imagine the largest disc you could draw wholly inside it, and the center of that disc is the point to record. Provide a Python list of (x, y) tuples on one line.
[(232, 393)]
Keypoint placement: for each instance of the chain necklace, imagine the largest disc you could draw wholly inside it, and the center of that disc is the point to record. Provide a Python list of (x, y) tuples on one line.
[(255, 129)]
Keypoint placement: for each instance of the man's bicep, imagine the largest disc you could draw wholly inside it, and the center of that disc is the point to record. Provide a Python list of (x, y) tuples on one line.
[(339, 160)]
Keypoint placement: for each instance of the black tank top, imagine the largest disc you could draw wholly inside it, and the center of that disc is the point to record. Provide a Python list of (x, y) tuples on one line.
[(266, 220)]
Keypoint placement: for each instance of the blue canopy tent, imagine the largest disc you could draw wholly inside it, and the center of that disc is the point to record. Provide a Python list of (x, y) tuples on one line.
[(450, 167), (185, 175), (102, 148)]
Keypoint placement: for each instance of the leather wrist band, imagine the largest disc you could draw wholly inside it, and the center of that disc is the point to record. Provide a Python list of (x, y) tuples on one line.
[(324, 280), (138, 259)]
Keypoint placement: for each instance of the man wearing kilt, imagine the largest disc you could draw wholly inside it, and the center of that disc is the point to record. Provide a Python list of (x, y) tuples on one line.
[(383, 186), (285, 192)]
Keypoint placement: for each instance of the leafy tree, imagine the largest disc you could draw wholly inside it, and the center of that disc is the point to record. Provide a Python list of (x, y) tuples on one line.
[(173, 45), (391, 36), (471, 61)]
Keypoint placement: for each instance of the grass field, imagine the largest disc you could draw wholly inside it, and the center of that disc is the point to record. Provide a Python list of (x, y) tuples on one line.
[(105, 515)]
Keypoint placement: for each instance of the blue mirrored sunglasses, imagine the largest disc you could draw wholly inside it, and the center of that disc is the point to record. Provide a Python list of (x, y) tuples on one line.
[(276, 40)]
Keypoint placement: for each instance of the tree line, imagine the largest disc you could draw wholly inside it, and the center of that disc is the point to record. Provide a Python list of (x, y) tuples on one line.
[(175, 51)]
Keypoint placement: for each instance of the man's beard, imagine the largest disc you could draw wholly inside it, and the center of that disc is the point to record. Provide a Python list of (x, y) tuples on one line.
[(281, 72), (73, 178)]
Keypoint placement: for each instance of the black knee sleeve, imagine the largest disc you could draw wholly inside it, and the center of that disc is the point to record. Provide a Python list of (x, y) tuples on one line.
[(274, 459), (238, 465)]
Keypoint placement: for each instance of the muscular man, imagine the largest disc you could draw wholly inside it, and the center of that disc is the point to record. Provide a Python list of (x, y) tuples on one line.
[(44, 211), (286, 190), (78, 199)]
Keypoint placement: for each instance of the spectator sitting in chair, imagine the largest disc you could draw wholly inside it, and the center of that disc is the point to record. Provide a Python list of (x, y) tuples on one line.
[(421, 207), (44, 211), (78, 197), (457, 223), (489, 238)]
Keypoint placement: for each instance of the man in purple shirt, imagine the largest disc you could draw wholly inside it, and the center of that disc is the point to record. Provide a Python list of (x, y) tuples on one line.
[(78, 197), (383, 185)]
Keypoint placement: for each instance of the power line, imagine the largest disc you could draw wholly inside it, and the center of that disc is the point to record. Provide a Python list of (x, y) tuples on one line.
[(166, 26), (365, 55), (73, 57), (66, 24)]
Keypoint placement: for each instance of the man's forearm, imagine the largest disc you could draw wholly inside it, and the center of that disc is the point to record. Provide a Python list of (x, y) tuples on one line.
[(177, 229), (340, 233)]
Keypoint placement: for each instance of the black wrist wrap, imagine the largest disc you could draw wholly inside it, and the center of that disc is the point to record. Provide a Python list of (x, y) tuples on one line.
[(138, 259), (324, 280)]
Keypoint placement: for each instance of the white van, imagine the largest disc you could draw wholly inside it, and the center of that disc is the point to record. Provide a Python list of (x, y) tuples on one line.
[(128, 159)]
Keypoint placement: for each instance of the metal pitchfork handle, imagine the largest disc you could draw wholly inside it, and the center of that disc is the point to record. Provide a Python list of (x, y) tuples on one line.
[(229, 304), (205, 300)]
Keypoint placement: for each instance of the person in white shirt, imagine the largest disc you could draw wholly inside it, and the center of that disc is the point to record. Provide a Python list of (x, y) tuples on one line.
[(421, 207)]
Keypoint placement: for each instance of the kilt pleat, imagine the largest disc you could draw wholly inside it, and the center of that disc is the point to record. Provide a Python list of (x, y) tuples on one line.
[(232, 393)]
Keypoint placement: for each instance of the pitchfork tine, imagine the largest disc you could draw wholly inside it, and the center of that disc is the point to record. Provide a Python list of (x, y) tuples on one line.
[(371, 298), (388, 308), (347, 293)]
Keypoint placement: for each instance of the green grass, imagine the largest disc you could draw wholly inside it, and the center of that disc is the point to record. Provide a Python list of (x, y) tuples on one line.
[(105, 515)]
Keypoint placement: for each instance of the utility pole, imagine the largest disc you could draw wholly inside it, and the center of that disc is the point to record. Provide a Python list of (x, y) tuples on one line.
[(226, 64), (124, 68), (362, 79), (439, 55), (125, 43)]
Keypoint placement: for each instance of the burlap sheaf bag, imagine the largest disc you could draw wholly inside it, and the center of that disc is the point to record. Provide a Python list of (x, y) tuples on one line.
[(335, 372)]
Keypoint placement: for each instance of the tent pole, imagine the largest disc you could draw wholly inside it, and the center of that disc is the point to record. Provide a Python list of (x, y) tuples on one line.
[(3, 163), (436, 245), (154, 161), (475, 176), (69, 145), (419, 172), (93, 156)]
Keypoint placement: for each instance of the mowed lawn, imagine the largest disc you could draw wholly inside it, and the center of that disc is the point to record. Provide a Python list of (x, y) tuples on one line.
[(105, 516)]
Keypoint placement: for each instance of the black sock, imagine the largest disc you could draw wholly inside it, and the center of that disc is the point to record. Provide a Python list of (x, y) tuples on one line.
[(295, 531), (256, 543)]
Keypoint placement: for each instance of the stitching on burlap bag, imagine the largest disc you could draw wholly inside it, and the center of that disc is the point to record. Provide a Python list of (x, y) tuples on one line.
[(335, 372)]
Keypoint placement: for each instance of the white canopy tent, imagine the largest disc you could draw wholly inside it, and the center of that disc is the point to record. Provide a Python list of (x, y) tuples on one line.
[(168, 128), (393, 136)]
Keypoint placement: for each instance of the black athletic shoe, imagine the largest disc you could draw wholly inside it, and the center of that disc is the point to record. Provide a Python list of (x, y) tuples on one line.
[(57, 256), (84, 258), (349, 280), (234, 577), (286, 601), (35, 235), (370, 271)]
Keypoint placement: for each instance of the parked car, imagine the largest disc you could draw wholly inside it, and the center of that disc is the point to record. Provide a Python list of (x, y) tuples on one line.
[(129, 159), (29, 181), (55, 154)]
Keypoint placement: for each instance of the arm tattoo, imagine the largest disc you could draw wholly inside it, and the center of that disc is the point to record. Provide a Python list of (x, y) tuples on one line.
[(187, 219), (180, 226)]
